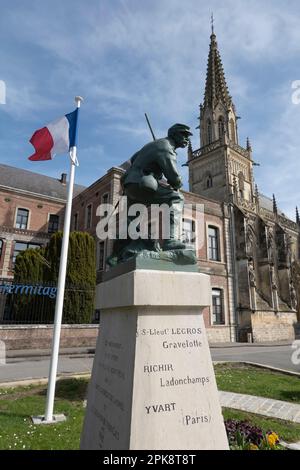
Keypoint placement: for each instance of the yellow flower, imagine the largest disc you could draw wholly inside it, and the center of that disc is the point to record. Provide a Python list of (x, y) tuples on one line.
[(272, 439), (253, 447)]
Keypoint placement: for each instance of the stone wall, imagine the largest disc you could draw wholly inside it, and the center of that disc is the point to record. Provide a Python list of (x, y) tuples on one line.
[(40, 336), (270, 326), (218, 334)]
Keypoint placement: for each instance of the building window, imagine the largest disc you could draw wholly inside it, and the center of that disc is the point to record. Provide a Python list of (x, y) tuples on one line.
[(221, 127), (213, 244), (75, 221), (101, 256), (1, 247), (209, 182), (105, 198), (21, 246), (53, 223), (189, 231), (217, 307), (22, 218), (88, 216), (209, 132)]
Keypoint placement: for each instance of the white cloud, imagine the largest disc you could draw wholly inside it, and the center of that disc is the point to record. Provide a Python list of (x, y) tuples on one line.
[(130, 57)]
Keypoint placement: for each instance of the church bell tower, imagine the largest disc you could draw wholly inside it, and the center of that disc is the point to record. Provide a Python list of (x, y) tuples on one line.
[(220, 169)]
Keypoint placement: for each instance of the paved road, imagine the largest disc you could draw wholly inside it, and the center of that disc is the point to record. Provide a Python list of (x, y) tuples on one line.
[(27, 368), (39, 368), (275, 356)]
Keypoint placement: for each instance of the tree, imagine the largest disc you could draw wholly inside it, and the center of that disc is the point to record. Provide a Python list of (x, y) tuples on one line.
[(81, 275), (30, 268)]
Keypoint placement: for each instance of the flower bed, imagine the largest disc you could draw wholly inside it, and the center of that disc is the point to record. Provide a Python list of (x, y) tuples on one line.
[(242, 435)]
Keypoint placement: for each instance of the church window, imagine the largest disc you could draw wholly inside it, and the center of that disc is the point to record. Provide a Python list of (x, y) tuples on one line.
[(209, 182), (232, 130), (209, 132), (221, 127), (241, 184)]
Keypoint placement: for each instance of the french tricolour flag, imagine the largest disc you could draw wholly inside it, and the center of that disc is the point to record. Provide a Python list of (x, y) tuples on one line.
[(56, 138)]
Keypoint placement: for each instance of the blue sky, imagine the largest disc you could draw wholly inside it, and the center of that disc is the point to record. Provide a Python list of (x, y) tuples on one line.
[(127, 57)]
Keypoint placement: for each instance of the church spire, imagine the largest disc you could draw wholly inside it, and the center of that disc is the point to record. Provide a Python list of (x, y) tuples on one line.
[(216, 89), (218, 120), (297, 216)]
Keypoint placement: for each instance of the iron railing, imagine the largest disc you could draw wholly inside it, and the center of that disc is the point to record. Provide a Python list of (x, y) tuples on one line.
[(34, 303)]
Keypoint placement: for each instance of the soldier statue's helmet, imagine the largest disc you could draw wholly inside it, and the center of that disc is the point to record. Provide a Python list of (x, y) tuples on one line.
[(179, 128)]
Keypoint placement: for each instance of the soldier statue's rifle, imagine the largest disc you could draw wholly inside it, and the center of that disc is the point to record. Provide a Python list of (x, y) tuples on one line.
[(118, 202), (148, 122)]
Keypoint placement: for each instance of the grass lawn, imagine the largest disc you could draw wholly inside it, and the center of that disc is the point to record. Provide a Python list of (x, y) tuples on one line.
[(18, 404), (240, 378)]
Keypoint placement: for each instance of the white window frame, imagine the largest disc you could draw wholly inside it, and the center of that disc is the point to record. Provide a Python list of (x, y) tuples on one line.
[(220, 241), (193, 229), (28, 220), (224, 310)]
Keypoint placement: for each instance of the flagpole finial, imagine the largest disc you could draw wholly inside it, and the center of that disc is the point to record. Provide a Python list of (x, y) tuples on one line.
[(78, 100)]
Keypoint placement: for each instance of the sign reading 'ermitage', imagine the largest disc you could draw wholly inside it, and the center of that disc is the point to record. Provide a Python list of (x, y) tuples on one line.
[(153, 384), (25, 289)]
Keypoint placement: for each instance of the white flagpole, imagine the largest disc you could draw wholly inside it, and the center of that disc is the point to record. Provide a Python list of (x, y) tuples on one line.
[(61, 288)]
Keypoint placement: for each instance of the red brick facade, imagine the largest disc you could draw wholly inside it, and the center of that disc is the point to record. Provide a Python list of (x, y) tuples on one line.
[(214, 216), (36, 232)]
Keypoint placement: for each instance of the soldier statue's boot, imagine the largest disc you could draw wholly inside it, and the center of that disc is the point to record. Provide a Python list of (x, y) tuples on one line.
[(173, 244)]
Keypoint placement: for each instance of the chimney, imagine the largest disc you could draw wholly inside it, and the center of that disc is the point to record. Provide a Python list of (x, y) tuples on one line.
[(63, 178)]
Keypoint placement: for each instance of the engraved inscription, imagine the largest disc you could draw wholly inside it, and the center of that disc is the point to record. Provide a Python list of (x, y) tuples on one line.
[(188, 419), (183, 339), (183, 381), (148, 368), (182, 345), (160, 408)]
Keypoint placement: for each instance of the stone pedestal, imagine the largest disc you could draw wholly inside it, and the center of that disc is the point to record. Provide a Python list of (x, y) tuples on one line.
[(153, 385)]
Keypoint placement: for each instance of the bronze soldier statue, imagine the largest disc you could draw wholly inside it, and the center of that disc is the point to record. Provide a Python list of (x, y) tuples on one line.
[(142, 183), (149, 165)]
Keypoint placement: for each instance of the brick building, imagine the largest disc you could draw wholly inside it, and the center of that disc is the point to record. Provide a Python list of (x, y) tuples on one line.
[(214, 259), (31, 209)]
